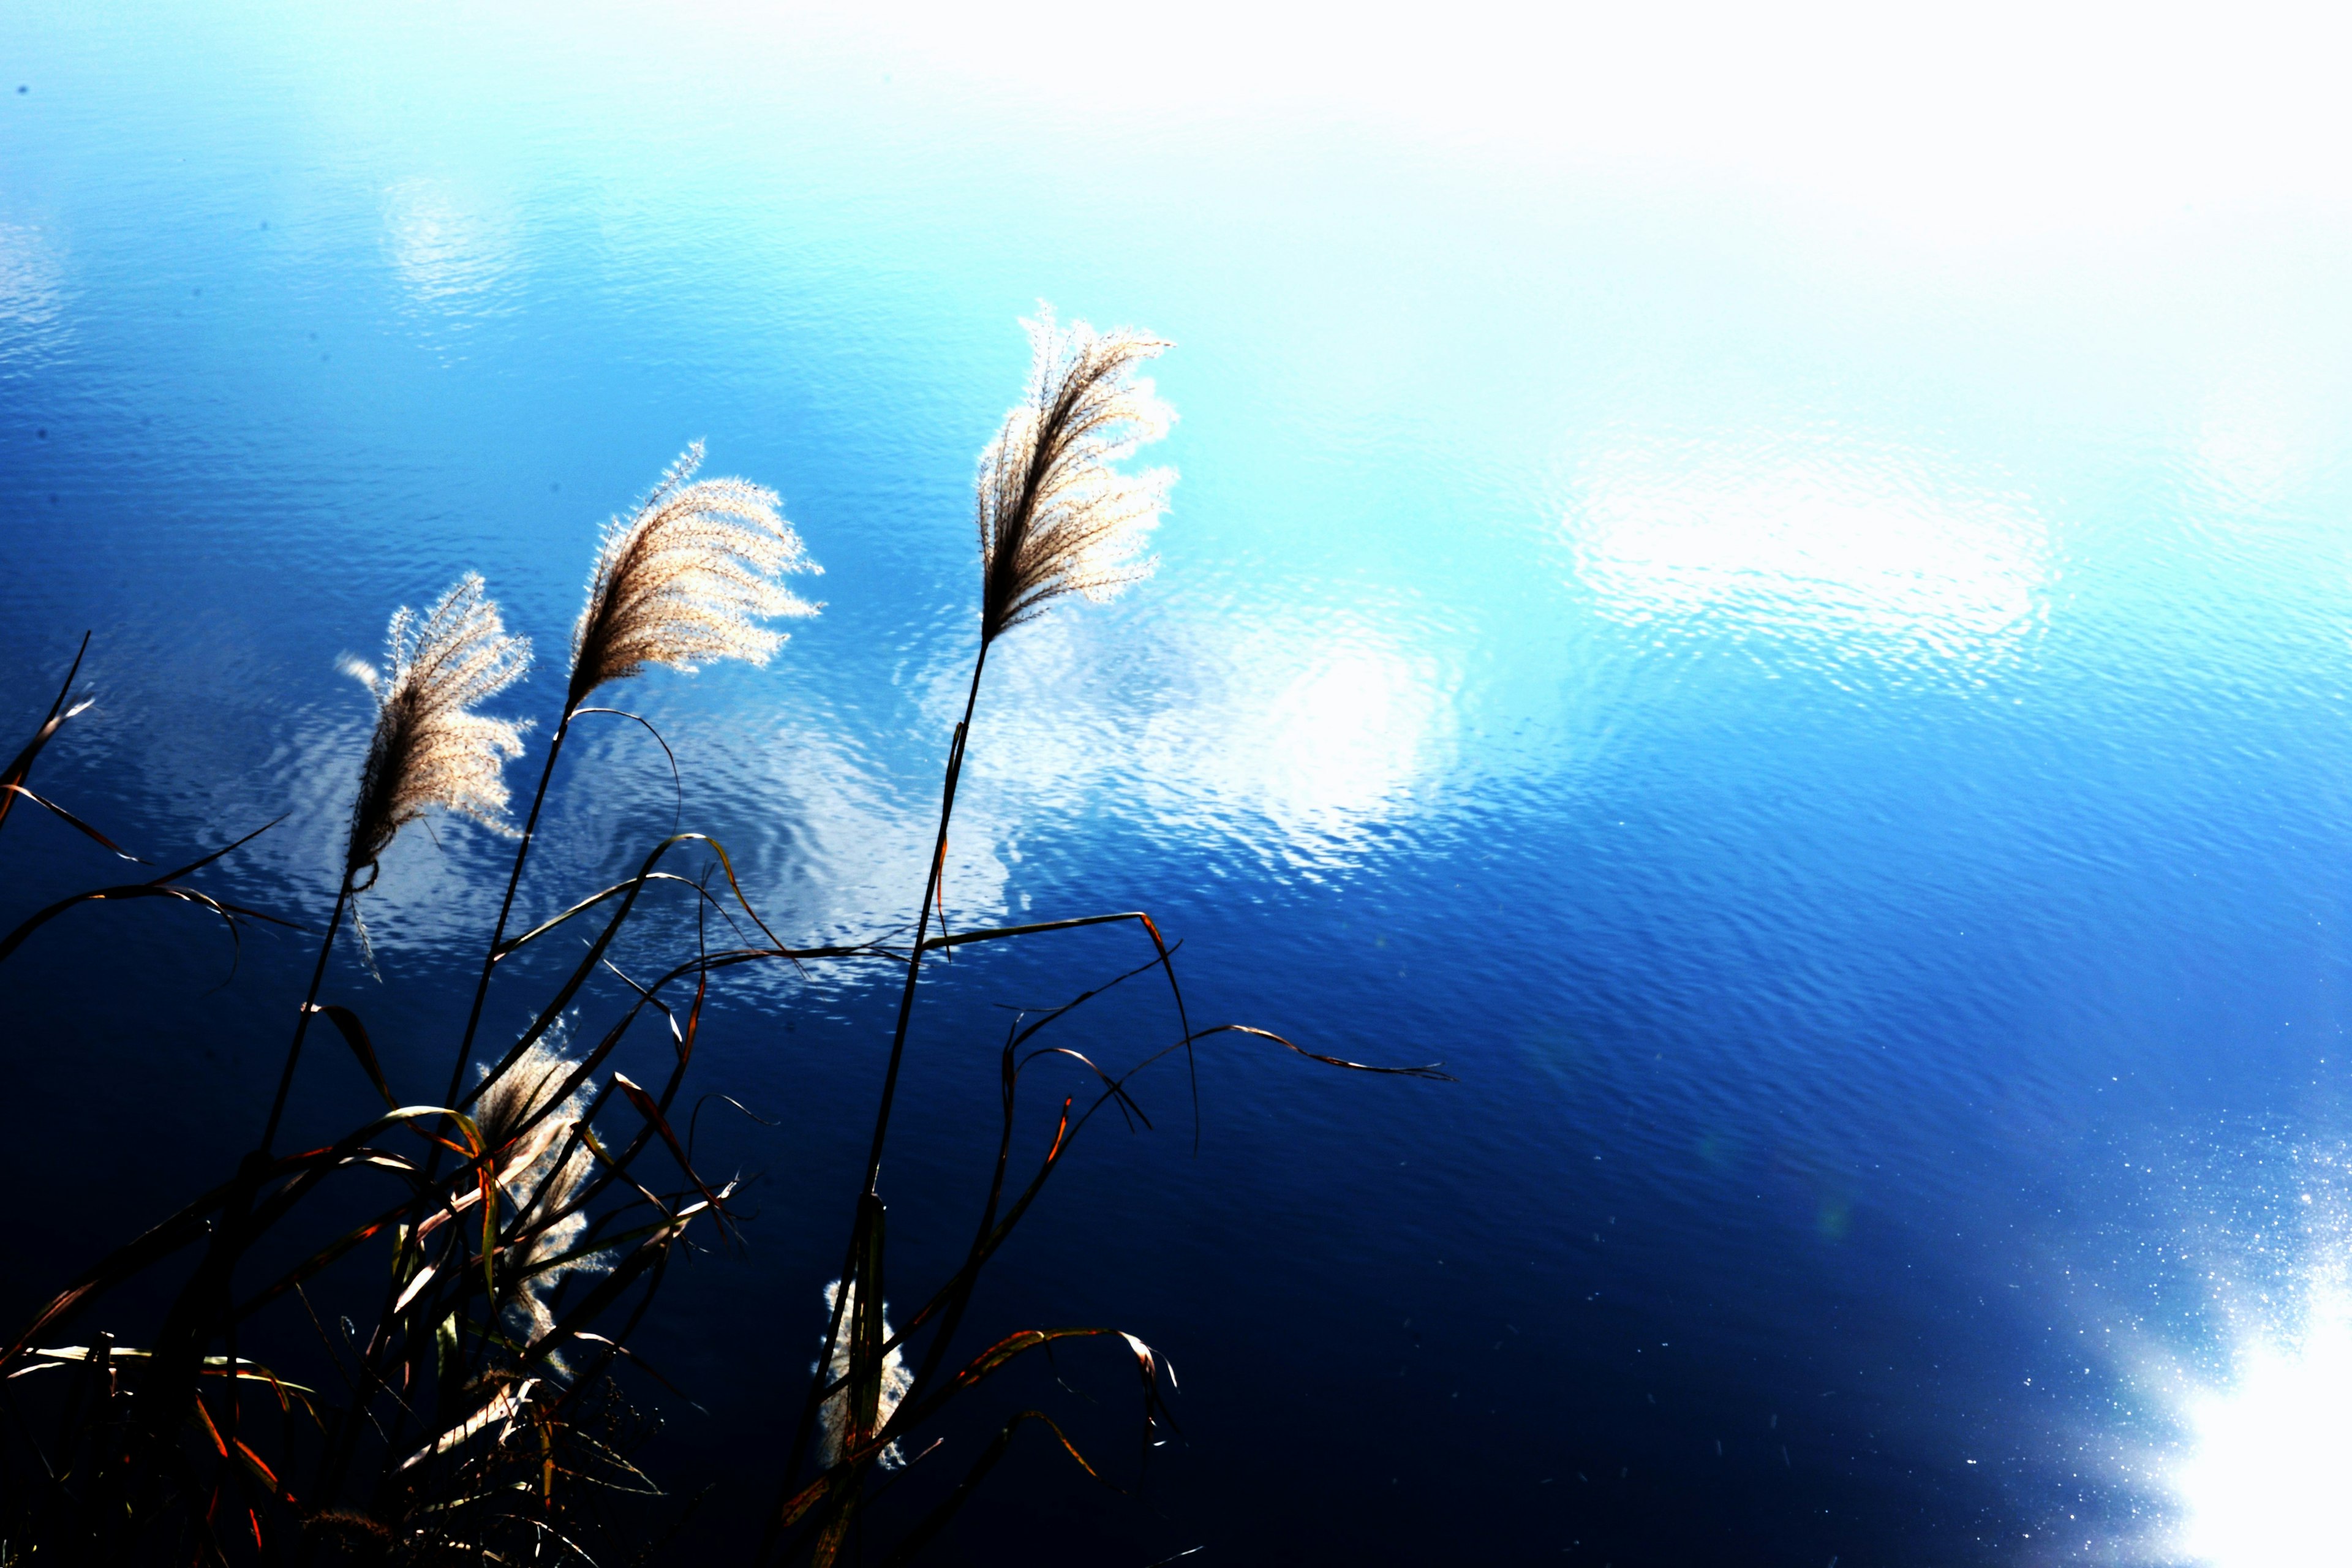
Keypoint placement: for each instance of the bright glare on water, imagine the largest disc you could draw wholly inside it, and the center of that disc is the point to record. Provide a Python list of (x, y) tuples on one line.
[(1771, 584), (2263, 1482)]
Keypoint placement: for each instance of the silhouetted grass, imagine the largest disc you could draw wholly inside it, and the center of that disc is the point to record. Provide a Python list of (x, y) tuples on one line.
[(516, 1233)]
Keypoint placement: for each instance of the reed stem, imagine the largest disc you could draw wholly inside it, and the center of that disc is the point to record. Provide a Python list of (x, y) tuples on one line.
[(506, 908), (302, 1022), (932, 881), (923, 924)]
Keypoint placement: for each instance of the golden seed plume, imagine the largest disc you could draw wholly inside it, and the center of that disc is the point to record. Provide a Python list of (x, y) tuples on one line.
[(685, 577), (428, 749), (895, 1382), (1056, 517)]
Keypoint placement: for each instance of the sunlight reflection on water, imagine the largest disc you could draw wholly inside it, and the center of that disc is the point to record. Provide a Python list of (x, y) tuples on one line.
[(452, 250), (32, 289), (1845, 551), (1336, 742), (2263, 1485), (2255, 1477)]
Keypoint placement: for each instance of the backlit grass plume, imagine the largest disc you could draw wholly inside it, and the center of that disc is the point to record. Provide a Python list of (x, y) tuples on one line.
[(1056, 517), (429, 748), (687, 577), (895, 1380), (542, 1170)]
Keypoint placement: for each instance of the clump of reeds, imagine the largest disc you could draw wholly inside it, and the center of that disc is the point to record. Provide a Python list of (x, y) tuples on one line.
[(472, 1386), (477, 1418)]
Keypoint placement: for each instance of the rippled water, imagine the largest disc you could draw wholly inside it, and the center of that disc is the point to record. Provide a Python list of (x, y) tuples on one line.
[(1834, 732)]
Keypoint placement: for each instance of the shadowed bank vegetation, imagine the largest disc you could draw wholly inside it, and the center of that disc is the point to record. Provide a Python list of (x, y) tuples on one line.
[(410, 1344)]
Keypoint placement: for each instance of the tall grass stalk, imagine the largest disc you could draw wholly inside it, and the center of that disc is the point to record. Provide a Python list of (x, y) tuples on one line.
[(506, 909), (1055, 516), (302, 1019), (687, 576)]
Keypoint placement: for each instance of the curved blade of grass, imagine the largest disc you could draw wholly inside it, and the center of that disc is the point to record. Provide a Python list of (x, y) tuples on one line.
[(347, 1024), (322, 1259), (608, 1288), (676, 780), (158, 1242), (501, 1405), (21, 767), (942, 1515), (307, 1170), (155, 888), (578, 976), (228, 913), (954, 1295), (214, 1366), (913, 1414), (590, 902), (1165, 962), (660, 1124), (1433, 1071), (73, 821)]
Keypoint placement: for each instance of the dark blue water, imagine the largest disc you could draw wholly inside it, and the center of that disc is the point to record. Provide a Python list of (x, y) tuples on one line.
[(1822, 701)]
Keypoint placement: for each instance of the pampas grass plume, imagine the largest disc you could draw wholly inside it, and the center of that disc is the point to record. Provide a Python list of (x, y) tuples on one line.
[(429, 749), (1056, 517), (543, 1172), (685, 577), (895, 1381)]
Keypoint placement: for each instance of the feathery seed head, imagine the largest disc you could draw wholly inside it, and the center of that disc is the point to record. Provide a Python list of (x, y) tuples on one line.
[(1056, 517), (543, 1172), (428, 750), (685, 578), (896, 1380)]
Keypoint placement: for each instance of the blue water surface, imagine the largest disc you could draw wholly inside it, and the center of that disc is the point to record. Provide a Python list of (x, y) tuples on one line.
[(1838, 744)]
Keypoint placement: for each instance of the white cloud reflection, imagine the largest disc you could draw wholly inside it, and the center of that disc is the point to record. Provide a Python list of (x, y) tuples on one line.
[(1841, 551), (1317, 738), (1295, 742)]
